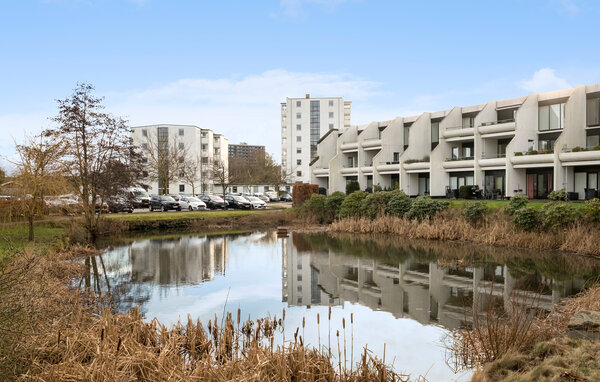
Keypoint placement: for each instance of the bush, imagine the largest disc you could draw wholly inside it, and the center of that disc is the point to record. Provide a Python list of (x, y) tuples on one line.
[(399, 204), (303, 192), (591, 209), (352, 204), (352, 186), (533, 152), (374, 204), (425, 207), (334, 203), (377, 188), (315, 208), (475, 212), (557, 215), (518, 154), (576, 149), (596, 148), (466, 192), (516, 202), (526, 218), (558, 195)]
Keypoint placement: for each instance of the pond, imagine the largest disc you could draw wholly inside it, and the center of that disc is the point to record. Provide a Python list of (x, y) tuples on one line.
[(403, 296)]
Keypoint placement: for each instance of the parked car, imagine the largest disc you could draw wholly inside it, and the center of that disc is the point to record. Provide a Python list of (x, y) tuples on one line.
[(272, 195), (285, 197), (257, 202), (176, 197), (138, 197), (192, 204), (213, 201), (262, 197), (163, 203), (119, 204), (238, 202)]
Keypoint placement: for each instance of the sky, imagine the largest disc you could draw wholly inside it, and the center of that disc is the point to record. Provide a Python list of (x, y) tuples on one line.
[(227, 65)]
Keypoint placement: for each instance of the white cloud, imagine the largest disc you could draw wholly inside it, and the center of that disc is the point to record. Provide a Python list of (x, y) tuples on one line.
[(544, 80)]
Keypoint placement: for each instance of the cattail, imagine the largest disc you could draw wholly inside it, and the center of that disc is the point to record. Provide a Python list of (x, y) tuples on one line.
[(344, 322), (329, 318), (58, 340), (352, 318), (102, 335), (303, 322), (119, 344), (283, 314), (239, 313), (318, 319)]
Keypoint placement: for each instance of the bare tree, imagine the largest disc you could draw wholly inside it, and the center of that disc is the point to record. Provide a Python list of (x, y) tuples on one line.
[(192, 172), (167, 159), (2, 175), (39, 173), (95, 142), (220, 173)]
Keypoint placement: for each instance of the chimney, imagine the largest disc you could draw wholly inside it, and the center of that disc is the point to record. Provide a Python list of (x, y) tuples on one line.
[(307, 96)]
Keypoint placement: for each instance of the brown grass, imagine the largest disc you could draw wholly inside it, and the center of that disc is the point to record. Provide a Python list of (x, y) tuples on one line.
[(497, 230), (52, 332)]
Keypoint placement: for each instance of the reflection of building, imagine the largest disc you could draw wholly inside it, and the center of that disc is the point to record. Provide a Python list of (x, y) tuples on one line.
[(187, 260), (428, 293)]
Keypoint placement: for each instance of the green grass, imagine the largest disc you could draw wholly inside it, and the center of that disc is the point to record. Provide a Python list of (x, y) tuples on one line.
[(496, 204), (157, 216), (15, 237)]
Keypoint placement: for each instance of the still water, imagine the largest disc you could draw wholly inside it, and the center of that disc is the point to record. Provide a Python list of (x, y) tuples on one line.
[(407, 296)]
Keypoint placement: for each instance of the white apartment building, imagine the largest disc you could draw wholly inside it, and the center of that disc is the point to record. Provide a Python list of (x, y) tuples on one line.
[(303, 122), (201, 145), (528, 145)]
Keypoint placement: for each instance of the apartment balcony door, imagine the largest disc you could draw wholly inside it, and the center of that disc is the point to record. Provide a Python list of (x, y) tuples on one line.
[(495, 182), (539, 183), (423, 184)]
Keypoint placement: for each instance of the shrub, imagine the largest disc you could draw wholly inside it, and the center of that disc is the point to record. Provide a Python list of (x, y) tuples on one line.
[(533, 152), (368, 190), (374, 204), (303, 192), (352, 203), (399, 204), (576, 149), (425, 207), (352, 186), (592, 210), (558, 215), (518, 154), (466, 192), (596, 148), (526, 218), (516, 202), (558, 195), (334, 203), (315, 208), (475, 212), (377, 188)]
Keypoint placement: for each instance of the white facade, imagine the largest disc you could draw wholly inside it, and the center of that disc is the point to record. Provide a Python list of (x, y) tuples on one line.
[(202, 145), (528, 145), (303, 122)]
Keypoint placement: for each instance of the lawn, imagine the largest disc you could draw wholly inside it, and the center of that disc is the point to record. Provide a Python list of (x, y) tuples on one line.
[(14, 237), (497, 204), (156, 216)]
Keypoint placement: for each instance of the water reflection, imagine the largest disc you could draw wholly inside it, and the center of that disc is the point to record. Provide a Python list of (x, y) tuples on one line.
[(406, 295)]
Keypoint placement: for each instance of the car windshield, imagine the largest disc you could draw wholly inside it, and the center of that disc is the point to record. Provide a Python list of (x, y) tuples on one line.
[(176, 197), (167, 198), (193, 200), (216, 198), (253, 199), (141, 194), (239, 198)]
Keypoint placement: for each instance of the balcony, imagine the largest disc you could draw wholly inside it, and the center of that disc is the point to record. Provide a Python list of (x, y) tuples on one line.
[(458, 132), (389, 167), (462, 162), (492, 160), (349, 146), (532, 159), (414, 166), (498, 127), (321, 172), (580, 156), (349, 170), (372, 144)]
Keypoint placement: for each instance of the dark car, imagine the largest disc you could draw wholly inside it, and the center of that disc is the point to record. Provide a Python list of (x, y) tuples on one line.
[(119, 204), (285, 197), (213, 201), (238, 202), (163, 203), (138, 197)]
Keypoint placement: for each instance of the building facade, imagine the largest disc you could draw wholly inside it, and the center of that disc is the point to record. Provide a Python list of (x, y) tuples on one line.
[(303, 122), (529, 145), (245, 151), (203, 147)]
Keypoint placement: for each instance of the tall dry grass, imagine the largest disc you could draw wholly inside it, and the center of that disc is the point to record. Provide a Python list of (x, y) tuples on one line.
[(496, 230)]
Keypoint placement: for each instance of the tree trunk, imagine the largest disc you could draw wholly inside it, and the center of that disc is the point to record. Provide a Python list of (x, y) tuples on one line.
[(31, 233)]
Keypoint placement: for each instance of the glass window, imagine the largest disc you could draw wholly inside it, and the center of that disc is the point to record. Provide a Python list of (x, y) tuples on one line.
[(455, 152), (144, 133), (298, 162), (299, 138), (298, 103), (551, 117), (435, 134), (298, 115), (331, 114), (331, 126), (468, 122), (298, 150), (181, 146), (298, 127), (180, 131), (182, 188), (298, 173), (593, 112), (592, 141), (396, 157), (406, 134), (330, 102)]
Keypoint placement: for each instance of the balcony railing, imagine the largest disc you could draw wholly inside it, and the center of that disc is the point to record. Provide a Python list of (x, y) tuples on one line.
[(390, 162), (492, 156), (580, 149), (497, 122), (459, 127), (457, 158), (349, 166), (368, 164)]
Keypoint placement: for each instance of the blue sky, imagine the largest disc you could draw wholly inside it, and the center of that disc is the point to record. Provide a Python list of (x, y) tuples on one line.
[(226, 65)]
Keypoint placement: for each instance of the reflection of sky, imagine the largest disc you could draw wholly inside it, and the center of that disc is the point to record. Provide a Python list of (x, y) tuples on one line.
[(252, 282)]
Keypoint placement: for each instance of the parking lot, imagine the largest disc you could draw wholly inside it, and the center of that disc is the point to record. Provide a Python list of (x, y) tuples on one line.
[(270, 206)]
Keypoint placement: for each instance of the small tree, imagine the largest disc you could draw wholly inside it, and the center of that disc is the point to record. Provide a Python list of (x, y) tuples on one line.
[(39, 174), (220, 173), (192, 172), (94, 143)]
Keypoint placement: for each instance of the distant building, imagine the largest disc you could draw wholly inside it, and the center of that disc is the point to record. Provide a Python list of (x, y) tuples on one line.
[(245, 151), (303, 122)]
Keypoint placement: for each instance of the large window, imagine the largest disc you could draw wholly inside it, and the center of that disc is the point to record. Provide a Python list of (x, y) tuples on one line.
[(458, 179), (396, 157), (593, 139), (593, 112), (551, 117), (468, 122), (315, 127), (547, 141), (298, 127), (435, 134), (406, 134)]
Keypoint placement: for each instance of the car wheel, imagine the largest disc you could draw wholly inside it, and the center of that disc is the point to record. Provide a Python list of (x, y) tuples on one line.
[(163, 208), (151, 208), (190, 208)]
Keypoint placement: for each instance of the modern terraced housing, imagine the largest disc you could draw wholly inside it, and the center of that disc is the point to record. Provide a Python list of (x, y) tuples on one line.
[(528, 145)]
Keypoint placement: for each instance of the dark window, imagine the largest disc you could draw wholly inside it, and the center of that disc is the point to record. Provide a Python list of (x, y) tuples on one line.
[(181, 188), (180, 131)]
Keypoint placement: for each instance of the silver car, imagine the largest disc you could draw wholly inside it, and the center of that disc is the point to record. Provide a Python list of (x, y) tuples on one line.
[(191, 203)]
